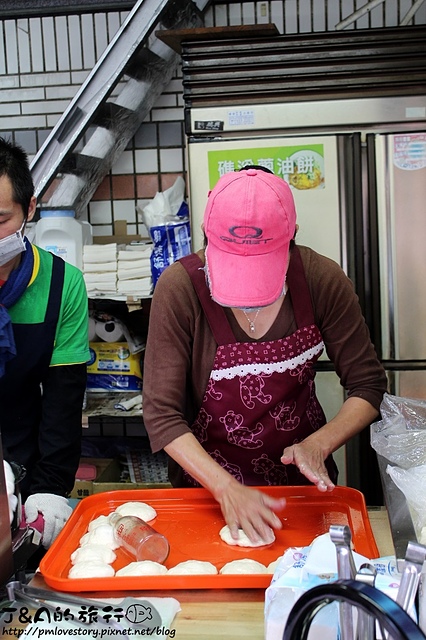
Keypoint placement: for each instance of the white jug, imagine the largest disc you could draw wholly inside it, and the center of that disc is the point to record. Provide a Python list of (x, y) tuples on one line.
[(60, 233)]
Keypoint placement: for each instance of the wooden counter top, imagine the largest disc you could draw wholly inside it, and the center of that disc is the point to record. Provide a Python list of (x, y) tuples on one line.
[(380, 524), (237, 613)]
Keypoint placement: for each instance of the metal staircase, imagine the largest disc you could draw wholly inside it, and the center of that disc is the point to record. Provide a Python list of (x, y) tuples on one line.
[(111, 104)]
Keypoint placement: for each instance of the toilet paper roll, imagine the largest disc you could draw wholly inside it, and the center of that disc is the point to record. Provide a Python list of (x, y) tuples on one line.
[(92, 329), (109, 331)]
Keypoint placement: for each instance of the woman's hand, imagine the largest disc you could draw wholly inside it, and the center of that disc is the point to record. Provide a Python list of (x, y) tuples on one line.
[(355, 414), (309, 459), (250, 510), (242, 507)]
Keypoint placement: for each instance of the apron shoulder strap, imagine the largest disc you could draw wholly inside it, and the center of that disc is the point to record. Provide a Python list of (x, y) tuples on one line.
[(56, 287), (216, 317), (215, 314), (299, 291)]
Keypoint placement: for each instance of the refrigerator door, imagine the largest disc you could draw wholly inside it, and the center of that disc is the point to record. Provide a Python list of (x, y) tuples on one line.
[(401, 198)]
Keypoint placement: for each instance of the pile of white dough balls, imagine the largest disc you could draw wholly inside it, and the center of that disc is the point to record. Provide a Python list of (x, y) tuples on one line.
[(96, 553)]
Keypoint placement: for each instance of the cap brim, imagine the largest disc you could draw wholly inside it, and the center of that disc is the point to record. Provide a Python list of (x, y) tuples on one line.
[(246, 281)]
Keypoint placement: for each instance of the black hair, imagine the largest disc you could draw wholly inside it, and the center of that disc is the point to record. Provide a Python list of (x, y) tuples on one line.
[(14, 165), (256, 166)]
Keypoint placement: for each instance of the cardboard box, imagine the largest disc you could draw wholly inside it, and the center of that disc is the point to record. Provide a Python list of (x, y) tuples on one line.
[(121, 236), (100, 487), (108, 479), (107, 470)]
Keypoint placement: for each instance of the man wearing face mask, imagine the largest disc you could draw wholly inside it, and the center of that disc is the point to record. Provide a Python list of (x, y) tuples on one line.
[(43, 351), (235, 331)]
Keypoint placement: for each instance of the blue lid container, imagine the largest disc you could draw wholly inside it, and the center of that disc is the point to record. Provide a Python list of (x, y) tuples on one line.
[(57, 213)]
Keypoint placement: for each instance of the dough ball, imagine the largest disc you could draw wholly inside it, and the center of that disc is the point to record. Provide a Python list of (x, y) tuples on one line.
[(93, 553), (142, 568), (243, 540), (103, 535), (191, 567), (91, 570), (139, 509), (246, 565), (97, 522)]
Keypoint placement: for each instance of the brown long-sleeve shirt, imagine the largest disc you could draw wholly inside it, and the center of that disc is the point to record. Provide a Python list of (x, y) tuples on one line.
[(181, 349)]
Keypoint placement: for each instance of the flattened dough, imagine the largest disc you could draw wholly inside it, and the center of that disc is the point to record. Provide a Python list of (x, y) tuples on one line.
[(192, 567), (93, 553), (91, 570), (142, 568), (245, 565), (139, 509), (243, 540)]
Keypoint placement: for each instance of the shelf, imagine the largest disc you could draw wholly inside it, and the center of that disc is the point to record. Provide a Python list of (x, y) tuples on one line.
[(103, 404), (132, 302)]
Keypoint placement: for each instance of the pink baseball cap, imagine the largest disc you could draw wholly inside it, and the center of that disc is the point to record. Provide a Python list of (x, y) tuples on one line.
[(249, 222)]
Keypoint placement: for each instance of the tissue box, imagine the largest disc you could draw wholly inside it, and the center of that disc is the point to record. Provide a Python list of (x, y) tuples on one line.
[(301, 569), (113, 368)]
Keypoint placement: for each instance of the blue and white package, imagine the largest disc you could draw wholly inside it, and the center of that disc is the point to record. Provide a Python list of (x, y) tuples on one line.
[(171, 242), (160, 252)]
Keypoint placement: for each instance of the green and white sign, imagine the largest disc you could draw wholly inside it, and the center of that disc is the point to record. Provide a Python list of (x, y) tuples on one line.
[(301, 166)]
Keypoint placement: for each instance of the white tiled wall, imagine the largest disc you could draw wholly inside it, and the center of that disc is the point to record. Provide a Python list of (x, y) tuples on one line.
[(44, 61)]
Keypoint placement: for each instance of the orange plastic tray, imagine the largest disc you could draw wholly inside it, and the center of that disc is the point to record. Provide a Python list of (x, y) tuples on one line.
[(191, 520)]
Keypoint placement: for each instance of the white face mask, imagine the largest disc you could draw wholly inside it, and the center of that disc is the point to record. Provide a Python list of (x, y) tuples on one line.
[(11, 246)]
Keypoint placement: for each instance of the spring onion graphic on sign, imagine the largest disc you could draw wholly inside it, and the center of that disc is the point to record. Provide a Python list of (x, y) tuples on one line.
[(301, 166)]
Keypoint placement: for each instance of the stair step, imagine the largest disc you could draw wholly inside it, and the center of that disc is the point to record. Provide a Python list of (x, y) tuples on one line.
[(111, 104)]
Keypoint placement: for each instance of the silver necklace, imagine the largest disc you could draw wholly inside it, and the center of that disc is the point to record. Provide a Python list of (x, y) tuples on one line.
[(251, 322)]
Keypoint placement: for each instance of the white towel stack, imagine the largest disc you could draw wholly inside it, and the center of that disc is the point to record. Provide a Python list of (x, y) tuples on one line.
[(100, 269), (134, 271)]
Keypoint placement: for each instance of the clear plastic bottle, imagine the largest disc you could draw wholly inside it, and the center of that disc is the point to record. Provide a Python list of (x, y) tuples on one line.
[(139, 538)]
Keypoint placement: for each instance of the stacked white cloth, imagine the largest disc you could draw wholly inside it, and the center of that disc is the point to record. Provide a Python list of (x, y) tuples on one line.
[(100, 268), (134, 271)]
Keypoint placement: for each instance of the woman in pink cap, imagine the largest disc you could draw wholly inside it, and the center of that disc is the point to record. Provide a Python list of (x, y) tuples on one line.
[(235, 331)]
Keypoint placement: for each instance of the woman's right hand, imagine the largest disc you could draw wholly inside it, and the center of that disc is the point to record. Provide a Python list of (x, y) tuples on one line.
[(242, 507), (251, 510)]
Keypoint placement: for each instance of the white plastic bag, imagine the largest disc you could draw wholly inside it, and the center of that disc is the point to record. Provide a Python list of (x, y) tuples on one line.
[(412, 483), (400, 436)]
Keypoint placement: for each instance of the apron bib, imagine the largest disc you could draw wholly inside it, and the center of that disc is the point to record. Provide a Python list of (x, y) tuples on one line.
[(20, 391), (261, 395)]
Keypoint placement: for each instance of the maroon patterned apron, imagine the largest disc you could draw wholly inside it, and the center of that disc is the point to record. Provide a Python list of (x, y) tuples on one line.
[(260, 397)]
